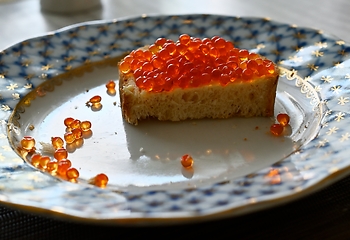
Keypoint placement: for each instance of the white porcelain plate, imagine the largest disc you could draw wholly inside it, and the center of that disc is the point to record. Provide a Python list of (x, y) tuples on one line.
[(239, 167)]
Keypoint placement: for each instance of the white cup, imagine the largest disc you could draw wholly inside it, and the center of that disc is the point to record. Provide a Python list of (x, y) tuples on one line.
[(69, 6)]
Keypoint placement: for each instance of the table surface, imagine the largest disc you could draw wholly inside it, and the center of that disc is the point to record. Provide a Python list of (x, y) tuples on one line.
[(324, 214)]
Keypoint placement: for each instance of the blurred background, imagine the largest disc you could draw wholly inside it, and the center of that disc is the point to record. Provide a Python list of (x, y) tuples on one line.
[(22, 19)]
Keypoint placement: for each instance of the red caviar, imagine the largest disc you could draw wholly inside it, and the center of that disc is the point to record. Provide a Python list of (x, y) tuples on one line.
[(276, 129), (72, 173), (58, 163), (283, 119), (52, 166), (85, 125), (95, 99), (187, 161), (63, 166), (69, 137), (110, 85), (75, 124), (192, 62), (44, 160), (57, 142), (60, 154), (78, 133), (100, 180), (35, 159), (28, 143), (67, 121)]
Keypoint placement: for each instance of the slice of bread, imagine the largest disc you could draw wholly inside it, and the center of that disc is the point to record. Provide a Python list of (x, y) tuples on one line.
[(239, 98)]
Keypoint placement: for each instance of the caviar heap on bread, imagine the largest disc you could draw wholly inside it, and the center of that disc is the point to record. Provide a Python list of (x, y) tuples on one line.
[(194, 78)]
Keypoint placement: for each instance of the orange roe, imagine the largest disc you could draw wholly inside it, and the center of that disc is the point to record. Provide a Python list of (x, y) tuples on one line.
[(276, 129), (35, 159), (192, 62), (69, 137), (78, 133), (57, 142), (72, 173), (59, 164), (75, 124), (63, 166), (60, 154), (95, 99), (67, 121), (187, 161), (100, 180), (52, 166), (28, 143), (85, 125), (283, 119), (110, 85), (44, 160)]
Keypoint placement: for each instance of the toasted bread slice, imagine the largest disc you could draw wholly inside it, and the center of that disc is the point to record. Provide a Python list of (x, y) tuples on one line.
[(238, 98)]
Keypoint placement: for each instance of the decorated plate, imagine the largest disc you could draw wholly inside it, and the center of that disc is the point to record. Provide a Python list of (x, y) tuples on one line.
[(239, 166)]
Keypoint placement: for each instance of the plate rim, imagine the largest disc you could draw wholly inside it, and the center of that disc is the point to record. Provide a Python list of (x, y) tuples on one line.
[(332, 177)]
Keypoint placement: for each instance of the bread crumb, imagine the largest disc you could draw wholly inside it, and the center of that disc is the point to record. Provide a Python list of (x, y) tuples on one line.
[(47, 148)]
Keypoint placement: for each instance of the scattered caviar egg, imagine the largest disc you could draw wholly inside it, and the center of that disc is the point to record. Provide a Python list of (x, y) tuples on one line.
[(167, 65), (186, 161), (69, 137), (111, 87), (95, 102), (72, 173), (67, 121), (75, 124), (52, 166), (35, 159), (78, 133), (95, 99), (276, 129), (59, 164), (110, 84), (283, 119), (44, 160), (60, 154), (100, 180), (27, 143), (85, 125), (57, 142), (63, 166)]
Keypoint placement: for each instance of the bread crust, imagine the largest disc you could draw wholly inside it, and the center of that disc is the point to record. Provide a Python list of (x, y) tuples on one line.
[(237, 99)]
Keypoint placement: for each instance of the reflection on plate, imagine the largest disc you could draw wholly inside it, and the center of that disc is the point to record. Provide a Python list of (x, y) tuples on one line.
[(239, 167)]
